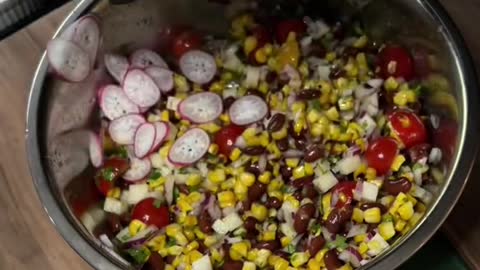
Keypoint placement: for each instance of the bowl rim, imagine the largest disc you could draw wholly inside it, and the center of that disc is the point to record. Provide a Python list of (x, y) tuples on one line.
[(397, 255)]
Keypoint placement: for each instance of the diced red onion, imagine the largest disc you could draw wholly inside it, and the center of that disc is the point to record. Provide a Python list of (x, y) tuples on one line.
[(348, 257), (213, 209)]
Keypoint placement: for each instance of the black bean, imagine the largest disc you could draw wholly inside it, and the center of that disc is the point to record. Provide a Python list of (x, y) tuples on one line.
[(303, 216), (254, 150), (286, 173), (366, 206), (273, 202), (256, 191), (270, 245), (313, 152), (282, 144), (114, 223), (205, 222), (302, 182), (228, 102), (155, 262), (276, 122), (394, 187), (250, 224), (316, 244), (300, 144), (309, 94), (337, 218), (332, 262), (232, 265)]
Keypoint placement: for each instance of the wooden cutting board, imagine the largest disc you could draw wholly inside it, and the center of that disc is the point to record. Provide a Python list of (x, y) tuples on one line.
[(27, 238)]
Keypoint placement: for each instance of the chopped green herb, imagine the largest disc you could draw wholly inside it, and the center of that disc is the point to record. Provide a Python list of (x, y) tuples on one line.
[(140, 256), (291, 249), (108, 174), (340, 242), (171, 242), (315, 104), (155, 175), (120, 152), (157, 203), (316, 229), (420, 90), (183, 171)]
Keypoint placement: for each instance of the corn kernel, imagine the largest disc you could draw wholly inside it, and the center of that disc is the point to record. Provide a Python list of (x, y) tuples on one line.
[(298, 172), (174, 250), (299, 258), (314, 265), (210, 240), (292, 162), (406, 210), (269, 236), (330, 56), (397, 162), (360, 238), (386, 230), (136, 226), (216, 255), (239, 250), (346, 103), (282, 133), (259, 211), (372, 215), (346, 267), (399, 200), (371, 174), (249, 44), (285, 241), (391, 84), (225, 118), (412, 199), (415, 219), (247, 178), (235, 154), (363, 248), (199, 234), (216, 176), (226, 199), (261, 257), (190, 221), (326, 201), (194, 255), (265, 177), (249, 266), (240, 189), (275, 185), (169, 267), (261, 56), (157, 243), (361, 42), (309, 170), (313, 116), (321, 254), (400, 225), (357, 215), (193, 180), (298, 107), (114, 193)]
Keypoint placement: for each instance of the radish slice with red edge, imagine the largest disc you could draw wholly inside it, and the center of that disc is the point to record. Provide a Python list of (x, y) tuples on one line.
[(122, 130), (140, 88), (198, 66), (162, 77), (117, 66), (144, 139), (247, 110), (115, 103), (139, 169), (161, 131), (144, 58), (144, 109), (201, 108), (96, 150), (68, 60), (87, 35), (189, 148), (69, 32)]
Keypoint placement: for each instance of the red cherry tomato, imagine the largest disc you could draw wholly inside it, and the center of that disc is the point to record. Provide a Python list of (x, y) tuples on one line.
[(108, 174), (396, 61), (286, 27), (150, 212), (225, 139), (185, 42), (408, 127), (344, 192), (445, 136), (166, 36), (381, 153)]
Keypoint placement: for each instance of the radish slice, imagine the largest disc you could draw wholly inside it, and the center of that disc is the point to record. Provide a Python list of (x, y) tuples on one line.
[(144, 58), (139, 169), (247, 110), (68, 60), (198, 66), (117, 66), (69, 32), (95, 149), (144, 139), (161, 131), (87, 36), (140, 88), (122, 130), (190, 147), (115, 103), (162, 77), (202, 107), (144, 109)]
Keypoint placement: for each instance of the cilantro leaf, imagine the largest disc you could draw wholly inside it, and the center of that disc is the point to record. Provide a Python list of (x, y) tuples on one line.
[(340, 242), (140, 256), (315, 104), (291, 249), (108, 174), (316, 229), (157, 203)]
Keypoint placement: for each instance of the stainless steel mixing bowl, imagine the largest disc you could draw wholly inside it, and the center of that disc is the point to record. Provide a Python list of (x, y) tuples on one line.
[(59, 112)]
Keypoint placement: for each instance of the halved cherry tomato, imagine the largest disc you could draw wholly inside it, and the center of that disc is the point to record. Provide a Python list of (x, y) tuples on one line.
[(286, 27), (408, 127), (344, 192), (225, 138), (381, 153), (185, 42), (150, 212), (166, 36), (396, 61), (108, 174)]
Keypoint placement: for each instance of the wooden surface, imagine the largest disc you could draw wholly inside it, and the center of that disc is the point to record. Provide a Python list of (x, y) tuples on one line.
[(27, 238)]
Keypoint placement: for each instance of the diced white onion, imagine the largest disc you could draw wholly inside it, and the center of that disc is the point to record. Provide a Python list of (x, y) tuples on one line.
[(136, 193), (252, 77), (370, 192), (379, 246), (172, 103), (325, 182), (112, 205), (348, 165), (435, 155), (368, 124), (203, 263)]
